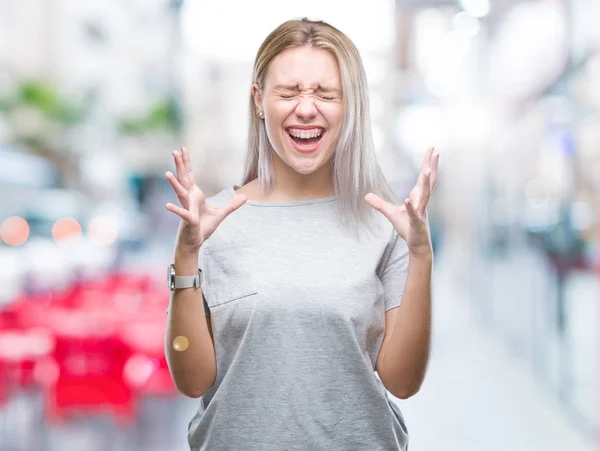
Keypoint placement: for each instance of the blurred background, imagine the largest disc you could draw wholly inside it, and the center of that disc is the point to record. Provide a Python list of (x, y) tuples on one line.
[(95, 95)]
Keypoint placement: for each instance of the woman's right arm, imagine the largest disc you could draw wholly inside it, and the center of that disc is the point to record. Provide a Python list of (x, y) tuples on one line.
[(189, 347)]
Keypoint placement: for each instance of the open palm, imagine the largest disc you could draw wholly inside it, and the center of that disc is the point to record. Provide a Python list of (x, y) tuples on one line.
[(410, 219), (200, 220)]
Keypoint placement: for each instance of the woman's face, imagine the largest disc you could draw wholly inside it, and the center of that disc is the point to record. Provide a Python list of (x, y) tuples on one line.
[(302, 105)]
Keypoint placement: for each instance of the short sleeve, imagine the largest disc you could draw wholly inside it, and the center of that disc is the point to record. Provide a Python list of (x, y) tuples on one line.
[(395, 270), (206, 309)]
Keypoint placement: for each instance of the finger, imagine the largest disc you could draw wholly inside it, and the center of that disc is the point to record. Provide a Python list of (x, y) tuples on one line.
[(427, 158), (426, 164), (434, 169), (181, 212), (410, 209), (380, 205), (425, 192), (233, 205), (181, 192), (187, 165), (178, 165), (186, 168)]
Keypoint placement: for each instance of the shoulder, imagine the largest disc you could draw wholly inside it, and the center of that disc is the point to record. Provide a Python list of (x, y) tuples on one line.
[(219, 199), (250, 189), (233, 230)]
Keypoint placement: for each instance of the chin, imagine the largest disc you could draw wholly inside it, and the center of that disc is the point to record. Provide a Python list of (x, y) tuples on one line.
[(305, 171), (307, 167)]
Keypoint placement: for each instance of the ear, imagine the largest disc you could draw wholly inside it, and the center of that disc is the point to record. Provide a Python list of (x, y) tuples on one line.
[(256, 93)]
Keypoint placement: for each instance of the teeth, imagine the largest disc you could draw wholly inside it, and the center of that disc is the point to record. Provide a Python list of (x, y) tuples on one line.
[(305, 134)]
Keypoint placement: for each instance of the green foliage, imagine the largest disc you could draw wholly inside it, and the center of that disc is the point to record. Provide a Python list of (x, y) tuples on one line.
[(30, 141), (163, 116), (44, 98), (5, 106)]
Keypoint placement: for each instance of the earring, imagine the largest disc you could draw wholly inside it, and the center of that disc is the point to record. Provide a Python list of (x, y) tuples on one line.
[(260, 114)]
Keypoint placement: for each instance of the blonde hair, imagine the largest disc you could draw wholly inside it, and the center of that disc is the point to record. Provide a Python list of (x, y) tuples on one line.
[(355, 170)]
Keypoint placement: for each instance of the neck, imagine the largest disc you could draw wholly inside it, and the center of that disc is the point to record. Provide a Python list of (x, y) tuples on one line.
[(291, 185)]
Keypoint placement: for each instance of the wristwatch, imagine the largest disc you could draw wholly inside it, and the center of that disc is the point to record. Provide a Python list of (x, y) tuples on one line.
[(176, 282)]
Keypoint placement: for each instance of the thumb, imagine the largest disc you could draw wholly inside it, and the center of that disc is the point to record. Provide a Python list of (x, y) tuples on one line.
[(380, 205), (234, 204)]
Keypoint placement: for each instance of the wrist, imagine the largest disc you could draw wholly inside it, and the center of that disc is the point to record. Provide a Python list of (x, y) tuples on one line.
[(424, 256), (186, 251), (186, 262)]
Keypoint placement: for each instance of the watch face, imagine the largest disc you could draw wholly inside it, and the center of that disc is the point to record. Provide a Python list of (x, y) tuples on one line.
[(171, 277)]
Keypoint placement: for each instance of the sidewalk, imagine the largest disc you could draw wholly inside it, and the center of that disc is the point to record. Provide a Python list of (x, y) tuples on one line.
[(477, 396)]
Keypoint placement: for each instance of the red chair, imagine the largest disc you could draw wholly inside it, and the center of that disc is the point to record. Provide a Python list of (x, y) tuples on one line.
[(23, 343), (131, 282), (90, 360)]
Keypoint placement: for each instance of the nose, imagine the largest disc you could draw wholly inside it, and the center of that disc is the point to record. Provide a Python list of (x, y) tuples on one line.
[(306, 109)]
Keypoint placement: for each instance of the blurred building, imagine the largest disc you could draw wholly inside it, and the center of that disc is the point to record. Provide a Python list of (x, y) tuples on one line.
[(215, 105), (116, 61), (509, 91)]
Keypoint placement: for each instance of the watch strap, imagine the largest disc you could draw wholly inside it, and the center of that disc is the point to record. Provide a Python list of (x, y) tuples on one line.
[(177, 282), (186, 281)]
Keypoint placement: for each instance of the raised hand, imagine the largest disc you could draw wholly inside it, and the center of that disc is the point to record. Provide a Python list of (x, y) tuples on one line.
[(199, 220), (410, 218)]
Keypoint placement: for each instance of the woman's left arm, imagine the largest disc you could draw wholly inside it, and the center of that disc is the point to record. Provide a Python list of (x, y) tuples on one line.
[(404, 353)]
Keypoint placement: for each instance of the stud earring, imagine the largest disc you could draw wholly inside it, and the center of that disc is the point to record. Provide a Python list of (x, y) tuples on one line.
[(260, 114)]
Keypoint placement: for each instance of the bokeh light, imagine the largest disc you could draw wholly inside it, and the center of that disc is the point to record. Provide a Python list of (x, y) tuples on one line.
[(102, 231), (66, 229), (476, 8), (139, 369), (14, 231)]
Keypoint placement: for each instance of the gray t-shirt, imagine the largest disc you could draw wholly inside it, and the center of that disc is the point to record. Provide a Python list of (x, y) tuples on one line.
[(297, 306)]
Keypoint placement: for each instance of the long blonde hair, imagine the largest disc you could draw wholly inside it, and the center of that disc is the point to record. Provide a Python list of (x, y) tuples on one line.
[(355, 170)]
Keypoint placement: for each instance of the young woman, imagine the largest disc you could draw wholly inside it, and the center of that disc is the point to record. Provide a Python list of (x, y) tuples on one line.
[(300, 298)]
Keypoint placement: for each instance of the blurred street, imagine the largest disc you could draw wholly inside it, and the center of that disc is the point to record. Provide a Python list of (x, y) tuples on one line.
[(479, 395)]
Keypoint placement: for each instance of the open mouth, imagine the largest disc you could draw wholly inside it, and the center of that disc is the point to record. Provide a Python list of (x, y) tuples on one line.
[(306, 138)]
